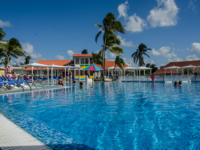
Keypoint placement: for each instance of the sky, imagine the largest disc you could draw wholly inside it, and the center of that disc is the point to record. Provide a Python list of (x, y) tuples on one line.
[(50, 30)]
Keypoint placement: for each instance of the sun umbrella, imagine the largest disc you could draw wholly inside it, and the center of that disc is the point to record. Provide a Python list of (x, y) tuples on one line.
[(93, 67)]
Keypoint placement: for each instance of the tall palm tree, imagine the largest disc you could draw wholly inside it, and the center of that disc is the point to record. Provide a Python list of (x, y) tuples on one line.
[(138, 55), (119, 62), (2, 34), (85, 51), (27, 59), (110, 27), (5, 61), (11, 48)]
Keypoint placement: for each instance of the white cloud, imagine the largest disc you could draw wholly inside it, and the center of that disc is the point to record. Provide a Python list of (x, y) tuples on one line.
[(188, 49), (165, 14), (165, 52), (30, 51), (124, 43), (122, 9), (195, 47), (175, 59), (59, 57), (135, 24), (192, 5), (129, 62), (70, 53), (4, 23), (146, 61), (191, 57), (110, 56)]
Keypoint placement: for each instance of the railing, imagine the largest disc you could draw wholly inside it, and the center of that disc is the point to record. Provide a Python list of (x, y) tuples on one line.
[(161, 78)]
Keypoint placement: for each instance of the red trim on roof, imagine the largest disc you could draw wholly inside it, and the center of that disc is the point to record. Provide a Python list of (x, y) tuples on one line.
[(82, 55)]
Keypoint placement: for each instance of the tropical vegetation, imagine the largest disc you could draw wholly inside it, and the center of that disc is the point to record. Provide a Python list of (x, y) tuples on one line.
[(109, 29), (119, 62), (10, 48), (27, 59), (153, 66), (85, 51), (97, 58), (140, 52)]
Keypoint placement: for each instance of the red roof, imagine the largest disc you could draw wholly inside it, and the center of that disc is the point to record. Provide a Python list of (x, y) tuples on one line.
[(82, 55), (51, 62), (109, 64), (179, 64)]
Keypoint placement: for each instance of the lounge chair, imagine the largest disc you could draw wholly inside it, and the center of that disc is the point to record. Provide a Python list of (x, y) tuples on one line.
[(106, 79), (88, 79)]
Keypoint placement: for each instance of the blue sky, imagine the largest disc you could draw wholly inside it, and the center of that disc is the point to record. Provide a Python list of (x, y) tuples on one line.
[(57, 29)]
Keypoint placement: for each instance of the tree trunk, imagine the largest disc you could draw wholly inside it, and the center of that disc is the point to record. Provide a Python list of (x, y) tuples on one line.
[(103, 57)]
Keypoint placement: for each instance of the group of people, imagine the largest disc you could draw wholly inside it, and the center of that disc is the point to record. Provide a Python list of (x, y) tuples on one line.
[(61, 83), (10, 72), (177, 83)]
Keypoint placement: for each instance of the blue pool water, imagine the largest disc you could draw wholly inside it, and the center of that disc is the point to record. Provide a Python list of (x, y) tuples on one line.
[(112, 116)]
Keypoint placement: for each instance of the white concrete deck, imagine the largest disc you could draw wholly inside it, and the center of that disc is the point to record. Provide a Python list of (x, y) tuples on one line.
[(14, 138)]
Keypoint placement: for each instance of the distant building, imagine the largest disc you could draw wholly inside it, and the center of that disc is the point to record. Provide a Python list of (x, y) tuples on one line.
[(161, 71), (79, 60)]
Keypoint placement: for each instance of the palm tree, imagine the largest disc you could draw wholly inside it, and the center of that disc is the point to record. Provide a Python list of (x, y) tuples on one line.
[(5, 61), (138, 55), (119, 62), (2, 34), (110, 27), (153, 66), (85, 51), (27, 59), (11, 48), (97, 58)]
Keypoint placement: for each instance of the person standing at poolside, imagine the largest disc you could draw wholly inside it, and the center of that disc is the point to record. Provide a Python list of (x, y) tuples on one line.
[(70, 75), (9, 71)]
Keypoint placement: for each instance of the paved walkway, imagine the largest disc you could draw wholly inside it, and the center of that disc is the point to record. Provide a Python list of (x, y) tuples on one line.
[(14, 138)]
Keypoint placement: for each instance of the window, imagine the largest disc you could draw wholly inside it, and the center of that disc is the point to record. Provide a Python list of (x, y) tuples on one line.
[(86, 60), (82, 60), (77, 60), (91, 60)]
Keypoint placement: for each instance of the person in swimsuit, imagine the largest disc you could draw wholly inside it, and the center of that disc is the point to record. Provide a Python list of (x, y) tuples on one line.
[(70, 73), (9, 72), (179, 83), (60, 82), (14, 76), (81, 84), (74, 82), (175, 83)]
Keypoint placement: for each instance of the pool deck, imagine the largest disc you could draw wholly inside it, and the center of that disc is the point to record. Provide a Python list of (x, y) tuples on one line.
[(13, 137), (40, 88)]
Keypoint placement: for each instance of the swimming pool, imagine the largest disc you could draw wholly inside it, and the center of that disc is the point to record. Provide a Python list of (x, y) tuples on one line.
[(118, 115)]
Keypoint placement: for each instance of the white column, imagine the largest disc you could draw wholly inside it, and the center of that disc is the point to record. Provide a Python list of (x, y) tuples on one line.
[(51, 74), (124, 74), (108, 74), (48, 74), (22, 70), (79, 74), (144, 72), (65, 77), (139, 72), (151, 71), (32, 73), (68, 74), (193, 71), (37, 72)]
